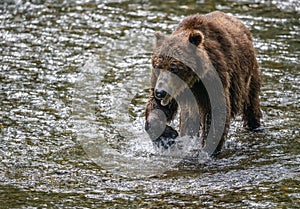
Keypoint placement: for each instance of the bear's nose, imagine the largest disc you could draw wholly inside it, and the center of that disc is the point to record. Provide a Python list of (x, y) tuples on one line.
[(160, 93)]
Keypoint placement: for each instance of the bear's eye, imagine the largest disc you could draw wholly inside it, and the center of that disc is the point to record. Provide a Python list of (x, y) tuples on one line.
[(173, 68)]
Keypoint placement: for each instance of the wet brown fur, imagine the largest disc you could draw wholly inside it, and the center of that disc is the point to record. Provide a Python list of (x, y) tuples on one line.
[(228, 45)]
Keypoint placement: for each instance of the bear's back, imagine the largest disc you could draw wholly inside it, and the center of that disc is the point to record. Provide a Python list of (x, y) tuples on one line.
[(215, 25)]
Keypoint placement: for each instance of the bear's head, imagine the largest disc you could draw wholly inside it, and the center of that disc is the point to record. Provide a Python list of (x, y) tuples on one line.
[(177, 62)]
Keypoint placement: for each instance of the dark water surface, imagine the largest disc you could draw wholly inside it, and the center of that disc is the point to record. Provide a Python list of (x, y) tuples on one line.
[(76, 73)]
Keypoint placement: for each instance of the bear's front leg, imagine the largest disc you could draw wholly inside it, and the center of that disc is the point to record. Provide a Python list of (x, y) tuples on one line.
[(189, 120), (157, 118)]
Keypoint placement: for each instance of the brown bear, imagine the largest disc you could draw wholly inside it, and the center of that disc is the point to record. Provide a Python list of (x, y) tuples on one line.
[(206, 64)]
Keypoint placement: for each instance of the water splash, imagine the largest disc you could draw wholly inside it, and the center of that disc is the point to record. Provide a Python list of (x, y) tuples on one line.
[(131, 152)]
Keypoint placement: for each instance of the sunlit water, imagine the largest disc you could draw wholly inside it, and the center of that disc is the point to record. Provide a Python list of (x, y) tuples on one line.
[(74, 80)]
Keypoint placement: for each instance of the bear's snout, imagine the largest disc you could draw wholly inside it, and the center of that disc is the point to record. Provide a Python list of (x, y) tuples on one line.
[(160, 94)]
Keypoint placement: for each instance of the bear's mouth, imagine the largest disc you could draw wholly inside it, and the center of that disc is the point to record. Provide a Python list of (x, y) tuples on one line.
[(166, 100)]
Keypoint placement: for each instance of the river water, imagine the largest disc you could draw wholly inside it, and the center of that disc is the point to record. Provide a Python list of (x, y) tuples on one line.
[(74, 80)]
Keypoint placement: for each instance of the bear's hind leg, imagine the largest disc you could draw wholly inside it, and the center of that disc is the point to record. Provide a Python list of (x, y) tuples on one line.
[(251, 112)]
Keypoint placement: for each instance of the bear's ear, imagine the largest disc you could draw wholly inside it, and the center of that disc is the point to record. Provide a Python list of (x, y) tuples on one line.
[(159, 37), (196, 38)]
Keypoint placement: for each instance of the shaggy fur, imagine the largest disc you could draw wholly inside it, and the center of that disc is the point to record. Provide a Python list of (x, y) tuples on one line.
[(227, 44)]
